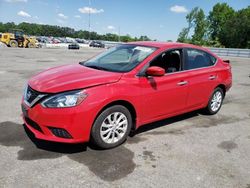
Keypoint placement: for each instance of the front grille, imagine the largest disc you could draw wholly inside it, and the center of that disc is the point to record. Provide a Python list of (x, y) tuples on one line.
[(33, 124), (62, 133), (31, 96)]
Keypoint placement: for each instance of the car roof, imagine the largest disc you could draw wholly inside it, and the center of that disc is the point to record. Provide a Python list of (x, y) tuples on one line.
[(164, 44)]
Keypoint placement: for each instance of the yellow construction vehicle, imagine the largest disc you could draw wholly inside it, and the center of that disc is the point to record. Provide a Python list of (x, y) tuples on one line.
[(16, 38)]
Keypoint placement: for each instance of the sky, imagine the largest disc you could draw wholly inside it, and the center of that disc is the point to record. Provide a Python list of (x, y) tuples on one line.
[(158, 19)]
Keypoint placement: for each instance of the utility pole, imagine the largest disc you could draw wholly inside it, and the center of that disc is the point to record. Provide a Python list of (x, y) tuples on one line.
[(89, 20), (119, 34)]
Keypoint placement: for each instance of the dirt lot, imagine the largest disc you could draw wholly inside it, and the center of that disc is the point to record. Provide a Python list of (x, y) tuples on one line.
[(191, 150)]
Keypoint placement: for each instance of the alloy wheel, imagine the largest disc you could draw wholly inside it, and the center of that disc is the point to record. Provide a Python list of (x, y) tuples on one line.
[(216, 101), (114, 127)]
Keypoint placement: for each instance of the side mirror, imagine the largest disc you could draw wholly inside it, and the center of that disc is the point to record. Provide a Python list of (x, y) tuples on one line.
[(155, 71)]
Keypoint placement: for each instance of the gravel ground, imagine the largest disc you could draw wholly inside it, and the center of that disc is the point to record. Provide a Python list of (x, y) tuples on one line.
[(190, 150)]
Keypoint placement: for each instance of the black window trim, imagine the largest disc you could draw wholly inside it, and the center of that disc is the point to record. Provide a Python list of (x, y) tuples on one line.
[(189, 48), (141, 73)]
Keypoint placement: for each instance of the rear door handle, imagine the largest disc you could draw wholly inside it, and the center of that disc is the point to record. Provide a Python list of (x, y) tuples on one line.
[(212, 77), (182, 83)]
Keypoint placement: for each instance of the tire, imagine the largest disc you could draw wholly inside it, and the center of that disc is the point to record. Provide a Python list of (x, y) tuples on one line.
[(13, 44), (31, 45), (215, 102), (106, 132)]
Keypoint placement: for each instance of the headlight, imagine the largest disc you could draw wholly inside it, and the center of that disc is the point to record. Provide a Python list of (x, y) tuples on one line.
[(63, 100)]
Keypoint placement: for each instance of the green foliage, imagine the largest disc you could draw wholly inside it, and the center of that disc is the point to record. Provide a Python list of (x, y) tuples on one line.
[(217, 18), (183, 36), (214, 43), (223, 27), (236, 31), (197, 21), (57, 31), (200, 26)]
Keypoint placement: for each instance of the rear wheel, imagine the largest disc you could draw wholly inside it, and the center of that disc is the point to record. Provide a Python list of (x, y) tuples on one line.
[(13, 44), (31, 45), (111, 127), (215, 102)]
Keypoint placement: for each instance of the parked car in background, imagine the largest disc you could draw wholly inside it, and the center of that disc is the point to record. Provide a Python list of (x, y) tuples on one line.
[(81, 41), (62, 39), (43, 39), (70, 40), (74, 46), (55, 41), (122, 89), (97, 44)]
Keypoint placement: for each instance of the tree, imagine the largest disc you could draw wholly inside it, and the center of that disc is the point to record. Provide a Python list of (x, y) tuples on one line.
[(127, 38), (183, 36), (223, 27), (200, 26), (144, 38), (236, 30), (197, 21), (57, 31), (217, 18)]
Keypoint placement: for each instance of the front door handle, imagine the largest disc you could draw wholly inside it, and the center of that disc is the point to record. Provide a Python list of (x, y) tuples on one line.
[(212, 77), (182, 83)]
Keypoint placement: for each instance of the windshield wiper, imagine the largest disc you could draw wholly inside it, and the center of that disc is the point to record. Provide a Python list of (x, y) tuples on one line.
[(82, 62), (97, 67)]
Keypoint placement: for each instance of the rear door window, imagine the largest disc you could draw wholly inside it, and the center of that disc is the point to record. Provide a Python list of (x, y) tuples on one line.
[(198, 59)]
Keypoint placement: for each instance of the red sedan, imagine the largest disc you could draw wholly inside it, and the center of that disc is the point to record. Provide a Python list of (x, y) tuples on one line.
[(104, 98)]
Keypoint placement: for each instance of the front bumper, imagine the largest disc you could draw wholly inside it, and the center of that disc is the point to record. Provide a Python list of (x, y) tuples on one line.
[(76, 121)]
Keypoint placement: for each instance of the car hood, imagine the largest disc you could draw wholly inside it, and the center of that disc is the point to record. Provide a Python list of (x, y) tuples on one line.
[(71, 77)]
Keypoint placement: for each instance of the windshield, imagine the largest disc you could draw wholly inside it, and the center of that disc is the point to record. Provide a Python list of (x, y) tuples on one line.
[(122, 58)]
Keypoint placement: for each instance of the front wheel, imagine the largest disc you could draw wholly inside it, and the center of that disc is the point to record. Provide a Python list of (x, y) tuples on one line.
[(111, 127), (13, 44), (215, 102), (31, 45)]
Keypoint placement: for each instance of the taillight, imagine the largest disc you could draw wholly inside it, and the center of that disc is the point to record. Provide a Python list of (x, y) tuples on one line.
[(227, 64)]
